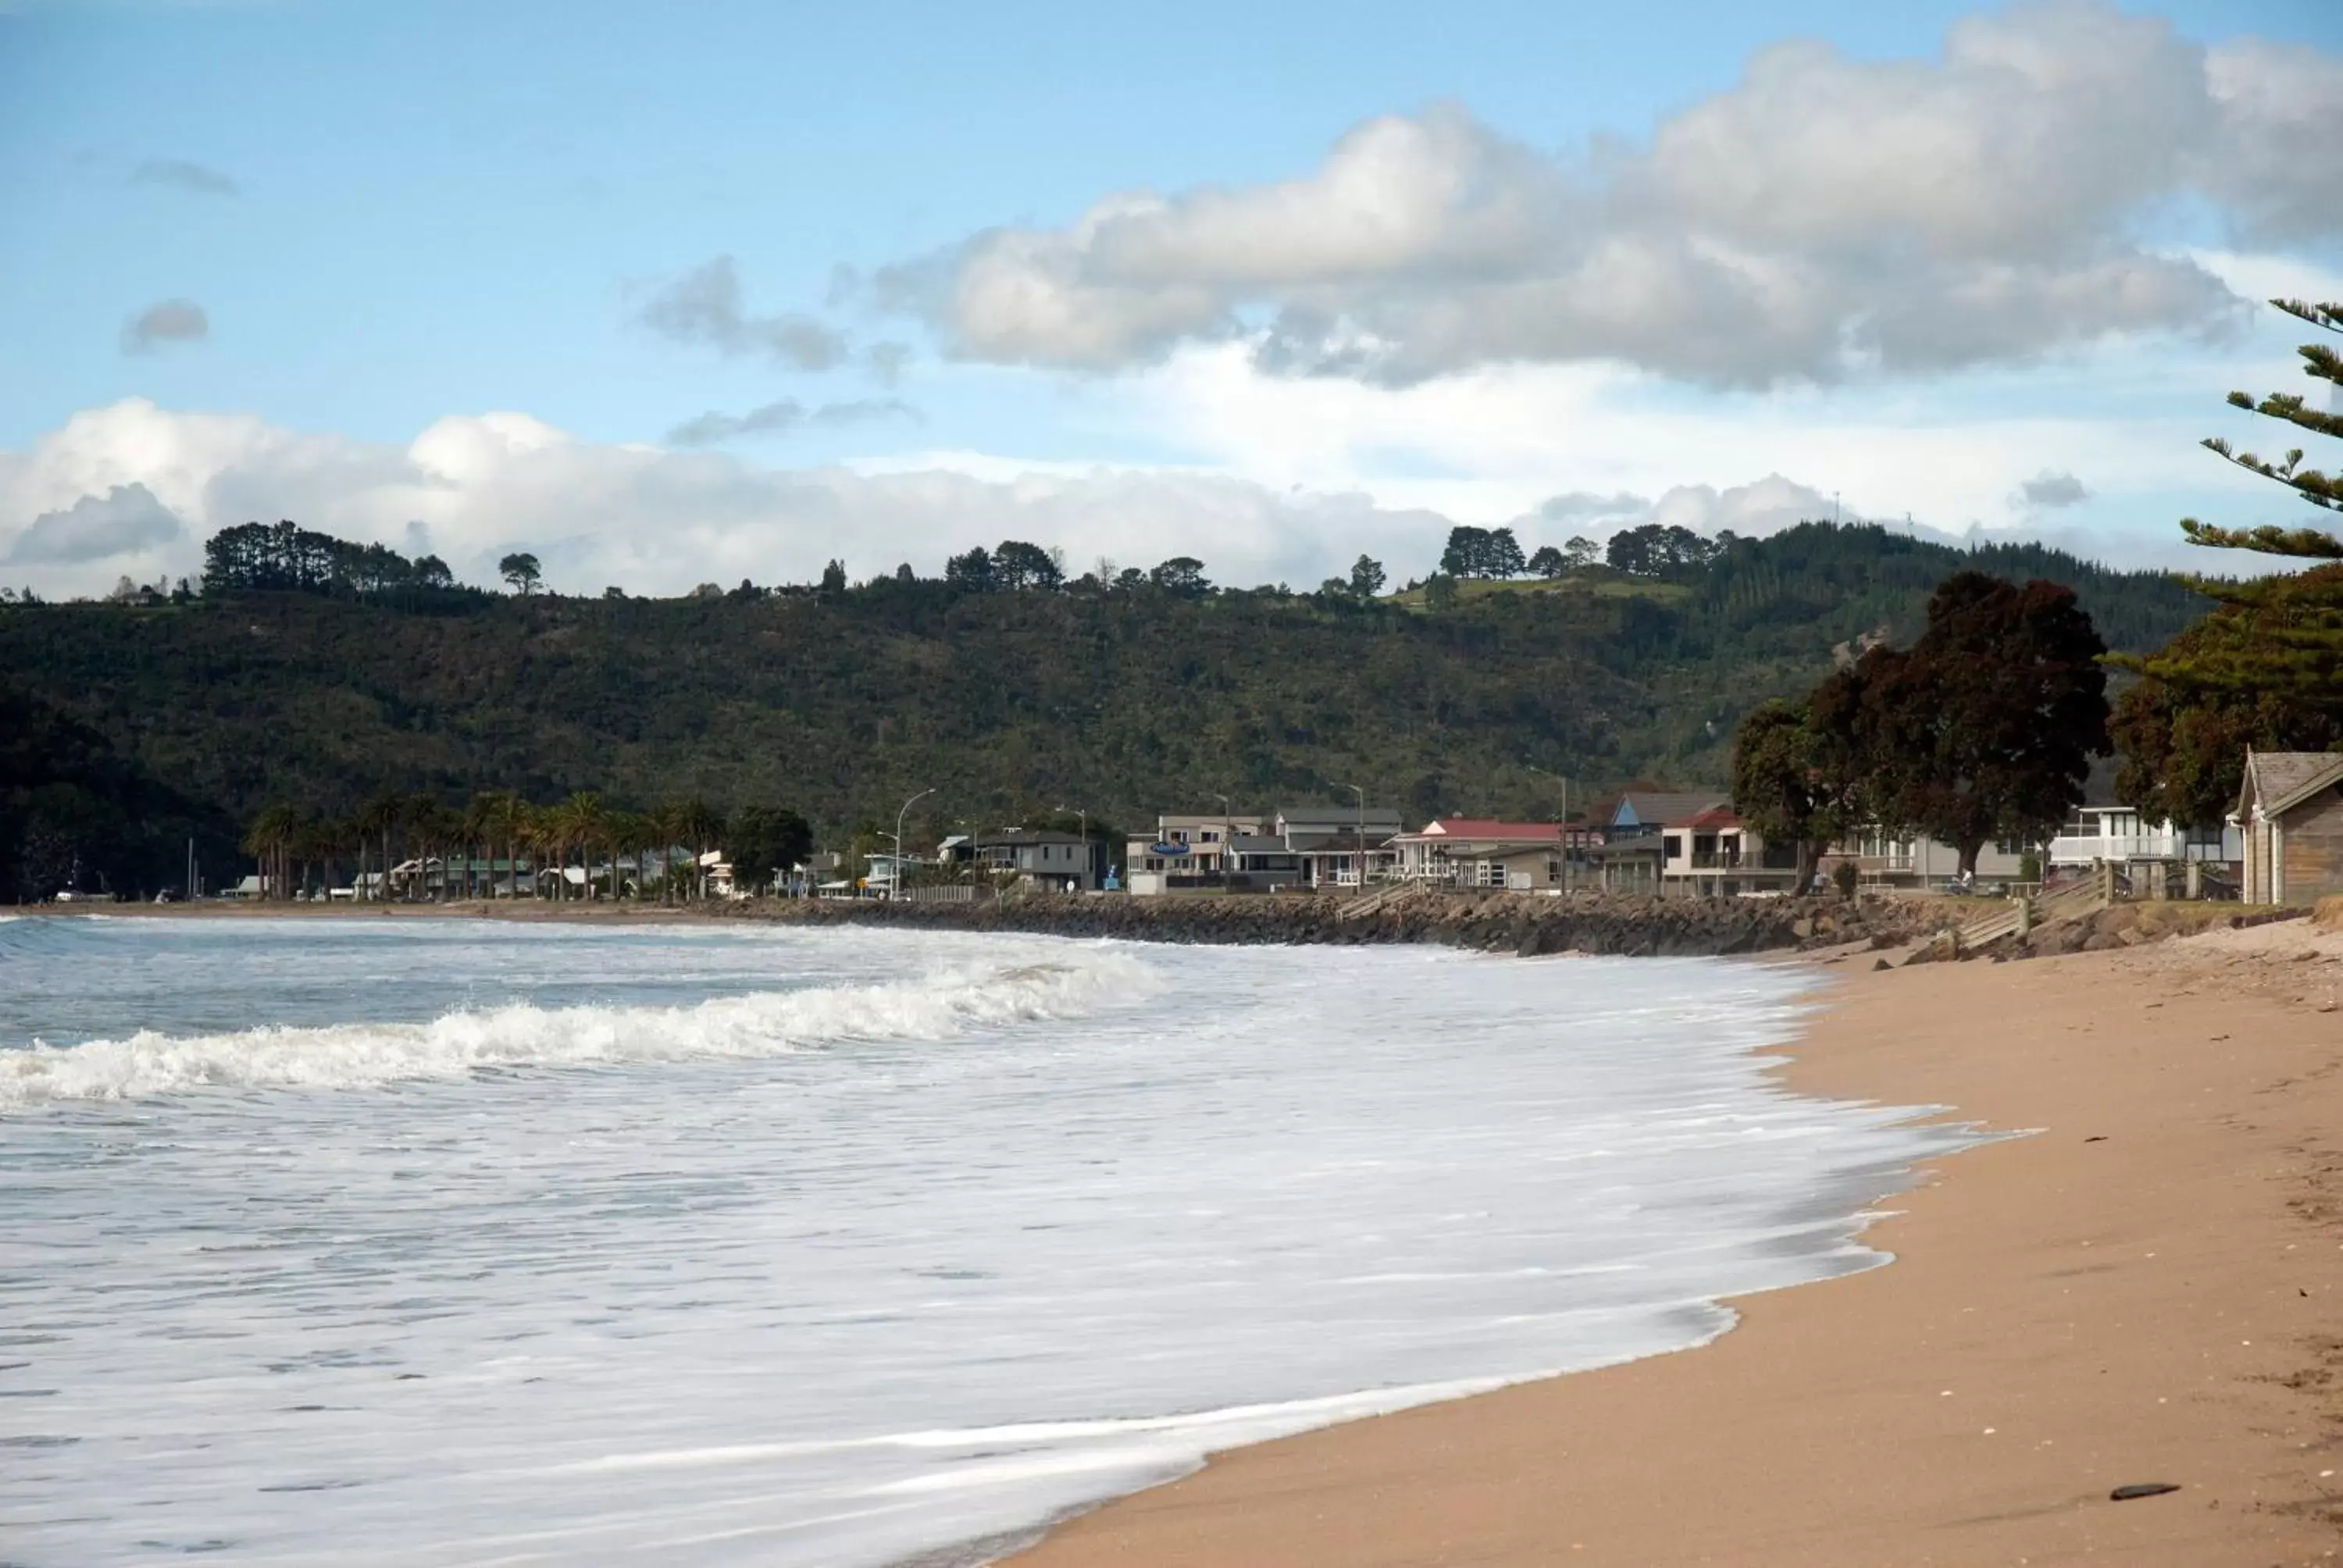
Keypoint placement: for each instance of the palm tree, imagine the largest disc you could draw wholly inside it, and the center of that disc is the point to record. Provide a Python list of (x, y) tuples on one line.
[(667, 822), (587, 825), (700, 825), (378, 818), (510, 821), (269, 841), (474, 829)]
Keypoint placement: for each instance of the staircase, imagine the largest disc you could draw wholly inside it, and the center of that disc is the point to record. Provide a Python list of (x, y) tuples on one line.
[(2072, 902)]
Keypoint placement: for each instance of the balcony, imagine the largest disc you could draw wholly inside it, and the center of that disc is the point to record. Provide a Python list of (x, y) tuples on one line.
[(2072, 849)]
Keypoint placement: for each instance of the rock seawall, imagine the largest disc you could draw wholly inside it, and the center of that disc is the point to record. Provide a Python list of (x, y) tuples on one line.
[(1520, 923)]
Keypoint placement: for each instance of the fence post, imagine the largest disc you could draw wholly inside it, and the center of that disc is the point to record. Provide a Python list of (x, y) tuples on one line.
[(2024, 917)]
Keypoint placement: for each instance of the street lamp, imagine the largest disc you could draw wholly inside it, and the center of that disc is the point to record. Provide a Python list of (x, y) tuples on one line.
[(1563, 780), (895, 882), (1361, 794), (1227, 833), (1089, 861)]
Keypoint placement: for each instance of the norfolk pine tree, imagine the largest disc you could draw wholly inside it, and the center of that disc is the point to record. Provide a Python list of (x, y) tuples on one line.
[(2265, 669)]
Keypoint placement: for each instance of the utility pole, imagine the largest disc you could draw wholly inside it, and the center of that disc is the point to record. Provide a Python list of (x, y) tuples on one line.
[(1228, 836), (895, 882), (1563, 780), (1090, 862), (1361, 794)]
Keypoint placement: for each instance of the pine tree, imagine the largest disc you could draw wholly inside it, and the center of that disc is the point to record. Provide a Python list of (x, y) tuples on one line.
[(2265, 669)]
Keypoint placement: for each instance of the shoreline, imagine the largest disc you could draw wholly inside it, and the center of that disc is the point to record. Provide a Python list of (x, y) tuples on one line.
[(2140, 1292), (1490, 920)]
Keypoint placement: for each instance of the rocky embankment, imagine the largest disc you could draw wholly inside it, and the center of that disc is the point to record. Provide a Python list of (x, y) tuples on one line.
[(1487, 922)]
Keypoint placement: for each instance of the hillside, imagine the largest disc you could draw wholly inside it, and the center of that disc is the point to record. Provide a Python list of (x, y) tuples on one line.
[(838, 703)]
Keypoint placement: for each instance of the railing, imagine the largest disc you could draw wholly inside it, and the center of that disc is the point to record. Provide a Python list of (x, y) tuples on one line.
[(2082, 848)]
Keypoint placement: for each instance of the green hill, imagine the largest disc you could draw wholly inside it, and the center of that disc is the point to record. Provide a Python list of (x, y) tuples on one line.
[(1123, 701)]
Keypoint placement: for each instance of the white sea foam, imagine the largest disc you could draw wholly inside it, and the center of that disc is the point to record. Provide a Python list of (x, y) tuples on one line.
[(856, 1245), (949, 1002)]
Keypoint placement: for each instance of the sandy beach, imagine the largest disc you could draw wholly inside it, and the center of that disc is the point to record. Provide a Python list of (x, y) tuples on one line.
[(2143, 1289)]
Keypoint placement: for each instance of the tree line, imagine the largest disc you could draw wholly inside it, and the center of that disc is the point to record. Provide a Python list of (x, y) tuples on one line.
[(497, 836)]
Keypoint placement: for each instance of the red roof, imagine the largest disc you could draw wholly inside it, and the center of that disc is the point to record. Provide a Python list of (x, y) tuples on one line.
[(1483, 828), (1715, 817)]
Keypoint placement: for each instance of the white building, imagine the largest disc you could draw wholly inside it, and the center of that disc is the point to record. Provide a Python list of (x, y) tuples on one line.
[(2118, 834)]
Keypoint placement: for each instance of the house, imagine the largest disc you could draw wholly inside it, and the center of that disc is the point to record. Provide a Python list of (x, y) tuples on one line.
[(1058, 860), (2118, 834), (1475, 852), (1714, 854), (1186, 850), (2290, 809), (1317, 846), (1913, 862), (1625, 853)]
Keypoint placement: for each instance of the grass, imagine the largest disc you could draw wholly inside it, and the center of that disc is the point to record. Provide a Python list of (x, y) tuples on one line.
[(1609, 584)]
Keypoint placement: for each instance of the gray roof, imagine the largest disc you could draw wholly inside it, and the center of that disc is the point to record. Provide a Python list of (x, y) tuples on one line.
[(2277, 779), (1654, 808)]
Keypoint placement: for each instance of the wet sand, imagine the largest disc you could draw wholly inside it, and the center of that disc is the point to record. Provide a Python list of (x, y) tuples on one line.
[(2147, 1288)]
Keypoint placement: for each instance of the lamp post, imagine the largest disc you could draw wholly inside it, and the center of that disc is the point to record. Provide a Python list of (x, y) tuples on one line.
[(895, 882), (1089, 861), (1361, 794), (1227, 833), (1563, 780)]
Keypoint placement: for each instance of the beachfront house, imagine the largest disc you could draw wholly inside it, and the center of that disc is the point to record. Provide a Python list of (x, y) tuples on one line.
[(1058, 860), (1915, 863), (1630, 854), (1715, 854), (1187, 849), (2118, 835), (2290, 814), (1478, 852)]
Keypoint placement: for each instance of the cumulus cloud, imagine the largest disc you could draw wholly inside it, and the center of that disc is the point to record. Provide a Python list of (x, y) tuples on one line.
[(126, 520), (166, 322), (784, 415), (2051, 489), (185, 176), (1765, 507), (1825, 217), (660, 521), (1586, 507), (704, 307)]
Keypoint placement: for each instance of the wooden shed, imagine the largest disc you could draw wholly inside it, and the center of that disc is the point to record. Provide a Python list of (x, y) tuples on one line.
[(2291, 811)]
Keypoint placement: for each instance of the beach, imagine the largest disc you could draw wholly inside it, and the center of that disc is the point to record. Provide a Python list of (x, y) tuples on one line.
[(2141, 1288)]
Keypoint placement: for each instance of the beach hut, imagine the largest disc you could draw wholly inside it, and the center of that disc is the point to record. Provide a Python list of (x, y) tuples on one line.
[(2290, 809)]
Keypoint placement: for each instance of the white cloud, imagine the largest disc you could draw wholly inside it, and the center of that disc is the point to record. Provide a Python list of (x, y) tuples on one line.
[(1825, 217), (127, 520), (654, 520)]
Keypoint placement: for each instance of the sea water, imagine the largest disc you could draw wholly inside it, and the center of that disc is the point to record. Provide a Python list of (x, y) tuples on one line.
[(428, 1242)]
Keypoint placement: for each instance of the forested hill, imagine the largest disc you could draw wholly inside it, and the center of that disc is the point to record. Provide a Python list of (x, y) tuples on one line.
[(1120, 699)]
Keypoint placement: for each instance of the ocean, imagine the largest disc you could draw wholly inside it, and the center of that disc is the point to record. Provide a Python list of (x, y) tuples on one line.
[(426, 1242)]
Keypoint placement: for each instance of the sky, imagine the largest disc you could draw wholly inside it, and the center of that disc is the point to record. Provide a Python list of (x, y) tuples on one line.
[(686, 293)]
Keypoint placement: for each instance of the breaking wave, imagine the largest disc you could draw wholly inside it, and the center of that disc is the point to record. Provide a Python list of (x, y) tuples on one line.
[(371, 1055)]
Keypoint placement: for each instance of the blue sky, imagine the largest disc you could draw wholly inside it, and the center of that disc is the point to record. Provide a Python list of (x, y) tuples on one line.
[(362, 225)]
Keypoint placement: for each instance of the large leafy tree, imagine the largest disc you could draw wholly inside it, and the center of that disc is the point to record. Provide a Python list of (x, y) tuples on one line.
[(2265, 668), (766, 841), (1475, 552), (1985, 728), (1799, 772)]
